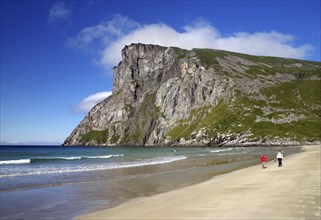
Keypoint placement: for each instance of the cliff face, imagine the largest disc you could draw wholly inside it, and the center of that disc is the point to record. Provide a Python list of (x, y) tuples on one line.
[(170, 96)]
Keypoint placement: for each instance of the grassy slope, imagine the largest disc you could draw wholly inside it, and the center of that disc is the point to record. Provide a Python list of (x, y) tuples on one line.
[(239, 116)]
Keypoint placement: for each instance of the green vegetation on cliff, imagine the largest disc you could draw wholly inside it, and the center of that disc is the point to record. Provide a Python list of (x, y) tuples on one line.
[(204, 96), (99, 137), (261, 119)]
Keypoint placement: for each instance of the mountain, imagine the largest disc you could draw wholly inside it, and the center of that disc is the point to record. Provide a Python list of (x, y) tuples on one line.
[(171, 96)]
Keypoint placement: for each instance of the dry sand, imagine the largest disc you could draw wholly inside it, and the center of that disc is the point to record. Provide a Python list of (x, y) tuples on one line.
[(288, 192)]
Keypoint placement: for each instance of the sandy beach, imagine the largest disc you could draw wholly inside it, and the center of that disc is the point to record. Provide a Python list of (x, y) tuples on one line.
[(288, 192)]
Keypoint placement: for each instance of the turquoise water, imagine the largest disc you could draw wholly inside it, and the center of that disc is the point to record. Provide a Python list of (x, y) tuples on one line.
[(36, 166), (54, 182)]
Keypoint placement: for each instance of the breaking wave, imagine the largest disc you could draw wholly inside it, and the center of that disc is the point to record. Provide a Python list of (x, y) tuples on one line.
[(10, 162), (38, 170), (40, 159), (221, 150)]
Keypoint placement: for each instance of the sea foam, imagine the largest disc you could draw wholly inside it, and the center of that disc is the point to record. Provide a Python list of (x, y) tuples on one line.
[(40, 159), (221, 150), (20, 161), (41, 170)]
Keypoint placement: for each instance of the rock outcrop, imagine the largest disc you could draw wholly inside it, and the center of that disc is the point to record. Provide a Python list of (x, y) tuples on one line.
[(171, 96)]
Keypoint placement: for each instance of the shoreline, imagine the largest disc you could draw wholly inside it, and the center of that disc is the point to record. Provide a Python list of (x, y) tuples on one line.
[(291, 191), (276, 143)]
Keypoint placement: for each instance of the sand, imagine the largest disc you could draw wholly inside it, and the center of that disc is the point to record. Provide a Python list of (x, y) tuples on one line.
[(288, 192)]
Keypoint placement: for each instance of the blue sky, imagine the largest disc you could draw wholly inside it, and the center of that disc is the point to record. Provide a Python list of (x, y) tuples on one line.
[(57, 56)]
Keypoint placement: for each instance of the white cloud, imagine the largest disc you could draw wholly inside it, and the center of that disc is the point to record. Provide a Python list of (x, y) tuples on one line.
[(264, 43), (87, 103), (59, 12), (110, 37), (98, 36)]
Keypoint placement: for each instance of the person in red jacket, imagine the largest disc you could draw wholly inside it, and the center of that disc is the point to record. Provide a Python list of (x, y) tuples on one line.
[(263, 161)]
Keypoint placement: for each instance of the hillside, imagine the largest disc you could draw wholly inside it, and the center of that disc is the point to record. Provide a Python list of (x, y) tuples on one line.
[(171, 96)]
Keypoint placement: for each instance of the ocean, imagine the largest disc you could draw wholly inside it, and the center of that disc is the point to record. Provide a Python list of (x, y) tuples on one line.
[(55, 182)]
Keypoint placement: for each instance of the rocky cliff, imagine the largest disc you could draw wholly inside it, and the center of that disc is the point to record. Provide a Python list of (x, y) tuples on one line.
[(171, 96)]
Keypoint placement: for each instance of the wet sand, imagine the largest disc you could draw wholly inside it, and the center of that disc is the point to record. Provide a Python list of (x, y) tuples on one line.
[(291, 191)]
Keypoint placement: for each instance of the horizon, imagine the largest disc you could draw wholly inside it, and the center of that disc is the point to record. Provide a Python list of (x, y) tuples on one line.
[(57, 56), (31, 144)]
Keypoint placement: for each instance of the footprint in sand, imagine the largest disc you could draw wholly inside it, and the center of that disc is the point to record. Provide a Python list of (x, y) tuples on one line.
[(317, 207), (317, 214), (308, 197)]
